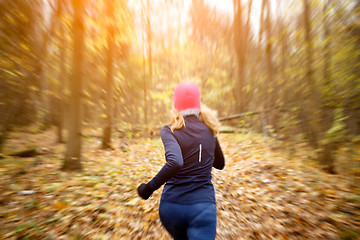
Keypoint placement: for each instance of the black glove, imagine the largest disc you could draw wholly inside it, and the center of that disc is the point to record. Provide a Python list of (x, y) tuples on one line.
[(144, 191)]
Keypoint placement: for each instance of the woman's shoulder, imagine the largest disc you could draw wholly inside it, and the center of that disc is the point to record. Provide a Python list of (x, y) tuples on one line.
[(165, 129)]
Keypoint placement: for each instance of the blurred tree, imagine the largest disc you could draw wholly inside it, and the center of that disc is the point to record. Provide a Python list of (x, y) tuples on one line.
[(270, 89), (327, 148), (145, 85), (148, 87), (200, 18), (20, 30), (209, 56), (72, 159), (240, 42), (59, 98), (146, 20), (353, 107), (106, 140), (311, 112)]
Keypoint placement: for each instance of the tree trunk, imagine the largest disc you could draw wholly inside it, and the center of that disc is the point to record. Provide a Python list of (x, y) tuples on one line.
[(145, 88), (57, 108), (313, 106), (284, 54), (149, 35), (326, 157), (353, 106), (106, 140), (326, 154), (41, 44), (72, 159), (272, 83), (240, 49), (248, 19), (12, 113), (264, 27), (59, 121), (264, 122)]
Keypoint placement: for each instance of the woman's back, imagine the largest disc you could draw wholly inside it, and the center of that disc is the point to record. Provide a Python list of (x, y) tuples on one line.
[(192, 183)]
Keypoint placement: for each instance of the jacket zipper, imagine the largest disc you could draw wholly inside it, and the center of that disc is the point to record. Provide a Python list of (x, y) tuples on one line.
[(200, 153)]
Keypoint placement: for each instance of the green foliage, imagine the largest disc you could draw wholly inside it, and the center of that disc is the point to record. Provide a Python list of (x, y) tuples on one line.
[(338, 130), (24, 226), (349, 234)]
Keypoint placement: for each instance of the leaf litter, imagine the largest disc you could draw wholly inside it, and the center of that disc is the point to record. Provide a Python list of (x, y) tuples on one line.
[(261, 194)]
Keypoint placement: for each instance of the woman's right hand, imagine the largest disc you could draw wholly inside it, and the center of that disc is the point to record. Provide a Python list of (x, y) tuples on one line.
[(144, 191)]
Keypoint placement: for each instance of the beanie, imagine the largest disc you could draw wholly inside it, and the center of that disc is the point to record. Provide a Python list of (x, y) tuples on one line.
[(187, 96)]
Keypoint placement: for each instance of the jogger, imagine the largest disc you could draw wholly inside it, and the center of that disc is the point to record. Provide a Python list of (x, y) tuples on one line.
[(187, 207)]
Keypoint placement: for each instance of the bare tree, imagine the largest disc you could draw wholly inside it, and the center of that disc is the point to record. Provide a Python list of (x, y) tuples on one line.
[(313, 106), (106, 140), (72, 159), (149, 36), (241, 38), (268, 111), (59, 100)]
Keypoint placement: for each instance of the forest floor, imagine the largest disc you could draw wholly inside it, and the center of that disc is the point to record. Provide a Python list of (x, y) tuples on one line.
[(264, 192)]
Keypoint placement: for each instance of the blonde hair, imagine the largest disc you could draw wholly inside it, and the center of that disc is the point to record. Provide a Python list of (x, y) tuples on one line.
[(207, 115)]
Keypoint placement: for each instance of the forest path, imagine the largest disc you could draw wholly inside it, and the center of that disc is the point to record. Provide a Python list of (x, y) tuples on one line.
[(261, 194)]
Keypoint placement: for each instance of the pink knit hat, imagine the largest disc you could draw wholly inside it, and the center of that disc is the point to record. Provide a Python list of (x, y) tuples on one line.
[(187, 96)]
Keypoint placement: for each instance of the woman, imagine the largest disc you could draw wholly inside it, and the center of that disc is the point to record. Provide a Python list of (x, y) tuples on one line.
[(187, 207)]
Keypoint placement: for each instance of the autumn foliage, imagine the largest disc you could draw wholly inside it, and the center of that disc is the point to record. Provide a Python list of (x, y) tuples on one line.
[(261, 193)]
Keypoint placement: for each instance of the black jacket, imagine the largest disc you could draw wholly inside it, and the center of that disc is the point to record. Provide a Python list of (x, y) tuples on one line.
[(190, 153)]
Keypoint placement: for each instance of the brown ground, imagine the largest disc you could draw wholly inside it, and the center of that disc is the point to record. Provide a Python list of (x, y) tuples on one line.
[(261, 194)]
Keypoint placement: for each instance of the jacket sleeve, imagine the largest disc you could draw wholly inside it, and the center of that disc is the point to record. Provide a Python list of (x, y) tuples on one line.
[(174, 159), (219, 161)]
